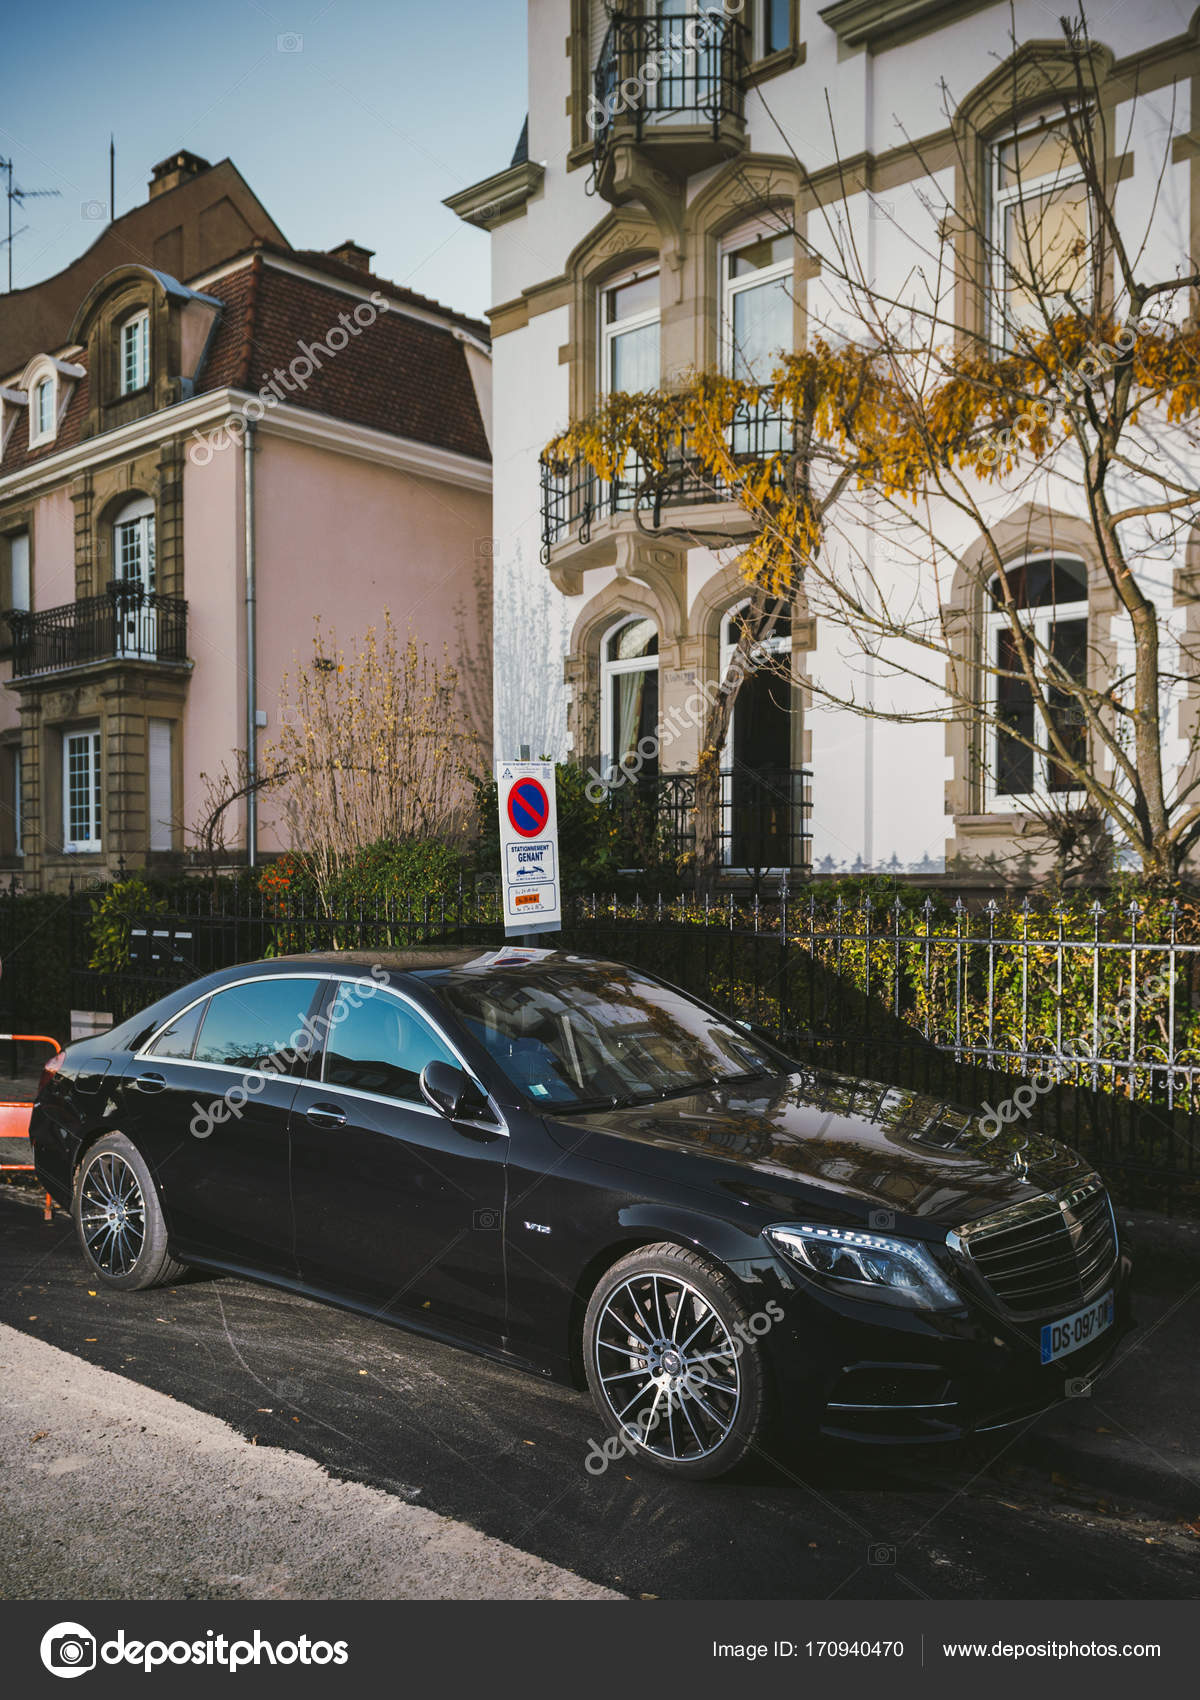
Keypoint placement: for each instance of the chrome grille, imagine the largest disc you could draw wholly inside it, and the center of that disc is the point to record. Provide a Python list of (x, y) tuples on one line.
[(1048, 1254)]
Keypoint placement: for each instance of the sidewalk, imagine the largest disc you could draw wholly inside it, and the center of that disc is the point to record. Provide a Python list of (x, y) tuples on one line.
[(195, 1511)]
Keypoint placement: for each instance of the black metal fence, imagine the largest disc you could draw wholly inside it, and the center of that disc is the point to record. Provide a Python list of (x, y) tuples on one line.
[(1087, 1025), (764, 823)]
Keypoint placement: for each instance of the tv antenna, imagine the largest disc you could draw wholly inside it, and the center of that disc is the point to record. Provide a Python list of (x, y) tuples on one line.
[(14, 192)]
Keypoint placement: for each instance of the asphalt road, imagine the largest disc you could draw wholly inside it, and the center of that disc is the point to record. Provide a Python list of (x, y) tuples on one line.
[(1055, 1512)]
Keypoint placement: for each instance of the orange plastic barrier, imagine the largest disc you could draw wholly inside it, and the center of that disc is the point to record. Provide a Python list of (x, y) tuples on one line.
[(15, 1113)]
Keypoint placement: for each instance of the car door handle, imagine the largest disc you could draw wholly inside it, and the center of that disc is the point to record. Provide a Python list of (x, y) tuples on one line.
[(150, 1082), (325, 1115)]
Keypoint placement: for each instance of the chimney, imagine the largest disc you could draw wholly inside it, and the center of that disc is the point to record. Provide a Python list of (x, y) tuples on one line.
[(353, 254), (170, 173)]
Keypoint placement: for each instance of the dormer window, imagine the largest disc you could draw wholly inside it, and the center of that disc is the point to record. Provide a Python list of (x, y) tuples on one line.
[(135, 353), (43, 411), (48, 383)]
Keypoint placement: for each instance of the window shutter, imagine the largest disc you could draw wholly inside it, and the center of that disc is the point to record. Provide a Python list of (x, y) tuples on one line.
[(599, 17), (159, 785), (18, 580)]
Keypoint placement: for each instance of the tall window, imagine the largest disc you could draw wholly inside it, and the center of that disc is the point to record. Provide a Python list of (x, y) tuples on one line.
[(82, 784), (1052, 598), (135, 353), (1041, 228), (133, 561), (756, 305), (629, 357), (629, 692), (772, 27), (133, 539), (42, 419)]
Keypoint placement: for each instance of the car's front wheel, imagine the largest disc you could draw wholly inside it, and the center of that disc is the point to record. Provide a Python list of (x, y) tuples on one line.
[(673, 1367), (119, 1220)]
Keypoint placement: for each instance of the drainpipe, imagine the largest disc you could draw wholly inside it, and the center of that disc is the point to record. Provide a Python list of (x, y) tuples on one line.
[(251, 648)]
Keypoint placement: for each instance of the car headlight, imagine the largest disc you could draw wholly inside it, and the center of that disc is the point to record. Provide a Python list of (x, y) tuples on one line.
[(867, 1266)]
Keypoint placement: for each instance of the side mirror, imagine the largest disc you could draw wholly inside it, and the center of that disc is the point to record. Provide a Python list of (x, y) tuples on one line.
[(451, 1091)]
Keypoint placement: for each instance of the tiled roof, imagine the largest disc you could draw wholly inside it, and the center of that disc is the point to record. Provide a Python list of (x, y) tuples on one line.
[(401, 374)]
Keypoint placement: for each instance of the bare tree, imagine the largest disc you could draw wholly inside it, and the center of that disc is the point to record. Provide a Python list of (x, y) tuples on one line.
[(376, 747), (221, 792)]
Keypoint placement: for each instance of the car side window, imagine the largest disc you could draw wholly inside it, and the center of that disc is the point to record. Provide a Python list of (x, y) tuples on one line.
[(178, 1037), (261, 1024), (378, 1044)]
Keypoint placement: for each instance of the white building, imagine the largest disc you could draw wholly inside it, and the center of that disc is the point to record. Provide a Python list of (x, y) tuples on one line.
[(646, 228)]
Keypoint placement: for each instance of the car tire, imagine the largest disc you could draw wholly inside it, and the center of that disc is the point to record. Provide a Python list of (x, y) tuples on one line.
[(119, 1220), (671, 1329)]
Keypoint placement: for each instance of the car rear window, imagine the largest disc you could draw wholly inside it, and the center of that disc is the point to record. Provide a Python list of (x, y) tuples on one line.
[(179, 1036)]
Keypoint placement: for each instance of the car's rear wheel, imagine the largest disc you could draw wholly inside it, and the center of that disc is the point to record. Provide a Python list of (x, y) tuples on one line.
[(673, 1367), (119, 1220)]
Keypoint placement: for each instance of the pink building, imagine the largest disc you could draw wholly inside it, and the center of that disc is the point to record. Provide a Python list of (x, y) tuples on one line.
[(191, 468)]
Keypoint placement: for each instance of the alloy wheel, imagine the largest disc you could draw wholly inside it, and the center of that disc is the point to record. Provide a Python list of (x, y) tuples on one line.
[(112, 1214), (668, 1367)]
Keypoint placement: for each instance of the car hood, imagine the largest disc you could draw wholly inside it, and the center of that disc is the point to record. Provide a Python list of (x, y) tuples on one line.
[(884, 1146)]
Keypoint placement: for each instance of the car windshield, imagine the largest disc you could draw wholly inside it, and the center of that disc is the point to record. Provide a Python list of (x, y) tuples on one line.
[(600, 1036)]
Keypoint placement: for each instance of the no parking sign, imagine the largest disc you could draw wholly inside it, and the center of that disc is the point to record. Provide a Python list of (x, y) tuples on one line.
[(529, 847)]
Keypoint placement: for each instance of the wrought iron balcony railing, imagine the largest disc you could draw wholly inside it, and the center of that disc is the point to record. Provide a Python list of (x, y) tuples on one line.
[(573, 496), (664, 69), (764, 821), (125, 623)]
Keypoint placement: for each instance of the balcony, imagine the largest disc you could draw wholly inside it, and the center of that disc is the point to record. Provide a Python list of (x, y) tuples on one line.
[(765, 819), (673, 90), (574, 499), (126, 623)]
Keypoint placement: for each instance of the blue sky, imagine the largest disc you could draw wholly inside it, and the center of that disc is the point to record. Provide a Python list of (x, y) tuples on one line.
[(348, 118)]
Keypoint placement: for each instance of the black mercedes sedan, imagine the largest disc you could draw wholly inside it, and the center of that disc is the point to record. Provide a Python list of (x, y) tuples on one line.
[(568, 1164)]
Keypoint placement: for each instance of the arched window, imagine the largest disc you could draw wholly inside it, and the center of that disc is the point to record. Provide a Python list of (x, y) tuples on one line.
[(135, 578), (629, 694), (1051, 601)]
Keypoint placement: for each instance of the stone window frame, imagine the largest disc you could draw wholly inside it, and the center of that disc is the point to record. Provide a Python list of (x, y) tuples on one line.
[(1034, 80), (1030, 534)]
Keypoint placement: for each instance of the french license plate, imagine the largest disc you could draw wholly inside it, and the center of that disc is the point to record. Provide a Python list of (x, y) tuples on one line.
[(1071, 1332)]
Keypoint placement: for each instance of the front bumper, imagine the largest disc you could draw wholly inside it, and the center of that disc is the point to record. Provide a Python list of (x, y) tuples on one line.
[(904, 1377)]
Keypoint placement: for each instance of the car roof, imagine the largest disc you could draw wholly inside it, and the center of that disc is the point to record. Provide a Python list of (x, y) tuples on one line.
[(462, 960)]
